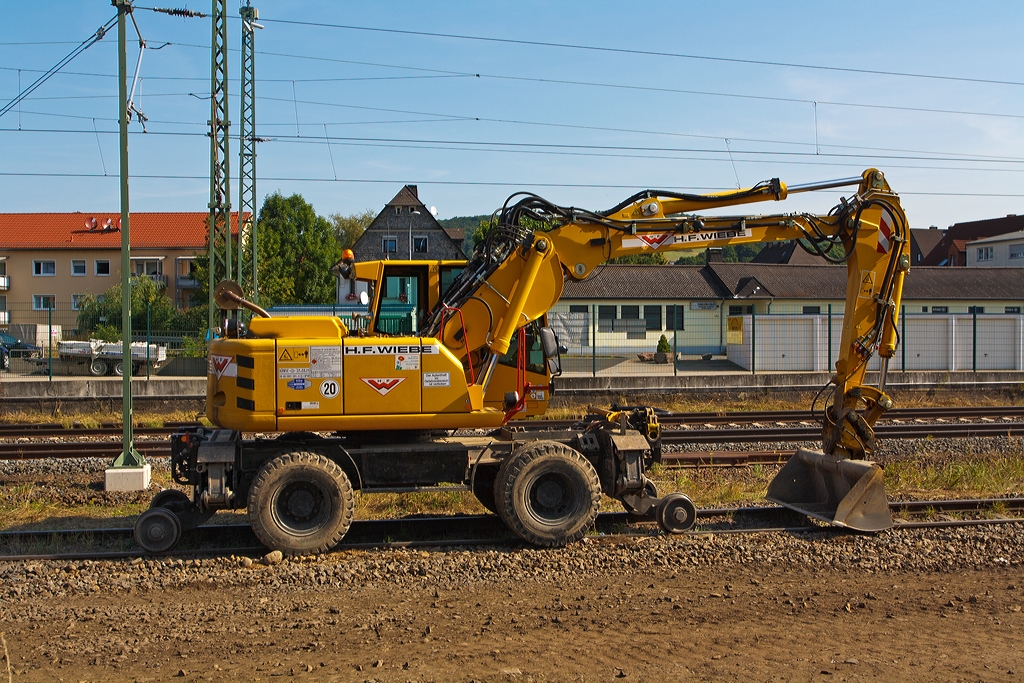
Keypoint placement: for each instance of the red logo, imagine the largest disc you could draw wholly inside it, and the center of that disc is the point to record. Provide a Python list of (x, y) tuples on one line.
[(218, 364), (655, 240), (382, 385)]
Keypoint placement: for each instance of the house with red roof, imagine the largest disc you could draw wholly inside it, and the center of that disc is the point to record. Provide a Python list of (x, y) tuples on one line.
[(52, 260)]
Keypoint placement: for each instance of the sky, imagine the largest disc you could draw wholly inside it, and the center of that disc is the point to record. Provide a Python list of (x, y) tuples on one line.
[(583, 103)]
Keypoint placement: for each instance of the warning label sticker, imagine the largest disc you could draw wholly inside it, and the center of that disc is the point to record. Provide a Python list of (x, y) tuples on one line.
[(325, 361), (405, 361), (867, 284), (292, 373), (436, 379), (293, 354), (311, 405)]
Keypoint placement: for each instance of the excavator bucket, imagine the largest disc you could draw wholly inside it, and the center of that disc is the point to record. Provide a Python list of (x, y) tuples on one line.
[(843, 492)]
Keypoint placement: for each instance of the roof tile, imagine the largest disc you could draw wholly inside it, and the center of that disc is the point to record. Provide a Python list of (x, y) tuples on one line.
[(184, 230)]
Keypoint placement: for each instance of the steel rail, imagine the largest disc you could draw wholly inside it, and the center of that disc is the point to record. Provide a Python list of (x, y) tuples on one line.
[(470, 530), (694, 418)]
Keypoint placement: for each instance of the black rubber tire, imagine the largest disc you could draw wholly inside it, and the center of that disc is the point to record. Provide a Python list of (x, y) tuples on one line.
[(301, 503), (157, 530), (548, 494), (97, 367), (676, 514), (5, 361), (483, 486), (119, 369)]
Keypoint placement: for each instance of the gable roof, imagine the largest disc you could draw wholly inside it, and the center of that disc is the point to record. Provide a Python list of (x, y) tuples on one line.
[(407, 196), (177, 230), (623, 281), (763, 281), (788, 253), (925, 239), (1008, 237)]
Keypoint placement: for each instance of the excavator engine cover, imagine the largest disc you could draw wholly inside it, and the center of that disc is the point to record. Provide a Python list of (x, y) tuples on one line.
[(843, 492)]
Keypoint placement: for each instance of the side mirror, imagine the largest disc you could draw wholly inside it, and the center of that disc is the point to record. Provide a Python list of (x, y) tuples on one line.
[(552, 350)]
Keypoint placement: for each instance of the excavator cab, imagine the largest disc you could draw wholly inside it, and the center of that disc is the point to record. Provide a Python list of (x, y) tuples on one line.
[(402, 293)]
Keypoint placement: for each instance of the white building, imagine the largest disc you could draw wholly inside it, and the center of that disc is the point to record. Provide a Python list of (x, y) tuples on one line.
[(1001, 250)]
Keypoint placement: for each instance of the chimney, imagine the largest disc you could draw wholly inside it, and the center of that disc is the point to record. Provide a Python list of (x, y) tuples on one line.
[(713, 255)]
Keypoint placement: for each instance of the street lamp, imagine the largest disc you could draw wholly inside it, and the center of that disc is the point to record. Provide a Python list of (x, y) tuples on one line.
[(415, 212)]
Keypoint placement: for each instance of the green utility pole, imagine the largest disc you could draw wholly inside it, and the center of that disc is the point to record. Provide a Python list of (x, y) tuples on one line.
[(220, 165), (247, 157), (129, 457)]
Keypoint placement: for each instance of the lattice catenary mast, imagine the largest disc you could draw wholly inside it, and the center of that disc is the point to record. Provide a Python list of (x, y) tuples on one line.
[(220, 166), (247, 270)]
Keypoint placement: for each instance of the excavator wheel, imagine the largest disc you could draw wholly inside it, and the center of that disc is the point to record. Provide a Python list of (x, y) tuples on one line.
[(301, 503), (483, 486), (547, 493)]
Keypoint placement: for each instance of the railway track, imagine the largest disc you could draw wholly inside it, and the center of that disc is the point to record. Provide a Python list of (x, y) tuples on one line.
[(160, 447), (470, 530)]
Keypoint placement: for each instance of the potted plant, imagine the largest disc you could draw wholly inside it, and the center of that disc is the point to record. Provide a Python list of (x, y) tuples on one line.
[(664, 350)]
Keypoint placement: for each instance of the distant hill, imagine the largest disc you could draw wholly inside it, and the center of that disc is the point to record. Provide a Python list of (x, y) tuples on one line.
[(467, 223)]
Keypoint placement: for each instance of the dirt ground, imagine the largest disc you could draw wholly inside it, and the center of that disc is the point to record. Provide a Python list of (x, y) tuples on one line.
[(740, 623)]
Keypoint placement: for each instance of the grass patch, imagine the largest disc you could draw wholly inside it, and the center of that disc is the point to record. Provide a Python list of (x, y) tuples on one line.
[(970, 475), (98, 418)]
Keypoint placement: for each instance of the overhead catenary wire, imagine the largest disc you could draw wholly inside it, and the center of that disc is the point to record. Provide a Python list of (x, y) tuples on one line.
[(392, 181), (650, 53)]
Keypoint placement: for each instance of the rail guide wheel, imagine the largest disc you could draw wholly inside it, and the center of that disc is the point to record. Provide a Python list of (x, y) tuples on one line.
[(157, 530), (676, 513)]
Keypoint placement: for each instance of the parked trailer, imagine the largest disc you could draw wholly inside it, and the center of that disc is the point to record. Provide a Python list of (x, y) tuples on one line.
[(102, 358)]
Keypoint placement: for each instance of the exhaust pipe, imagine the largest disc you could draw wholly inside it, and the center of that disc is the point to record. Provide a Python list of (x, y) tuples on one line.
[(843, 492)]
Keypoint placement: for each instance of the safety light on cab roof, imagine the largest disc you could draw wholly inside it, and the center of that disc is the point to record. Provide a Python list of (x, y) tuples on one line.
[(348, 256)]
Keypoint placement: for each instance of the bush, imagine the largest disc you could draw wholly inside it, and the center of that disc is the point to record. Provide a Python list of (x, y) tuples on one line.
[(663, 345)]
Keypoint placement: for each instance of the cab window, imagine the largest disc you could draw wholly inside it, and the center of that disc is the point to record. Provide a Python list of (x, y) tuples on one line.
[(534, 353)]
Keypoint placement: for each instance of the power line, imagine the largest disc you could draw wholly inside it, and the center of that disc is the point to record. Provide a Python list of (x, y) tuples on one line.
[(651, 53), (82, 47), (625, 151), (449, 182)]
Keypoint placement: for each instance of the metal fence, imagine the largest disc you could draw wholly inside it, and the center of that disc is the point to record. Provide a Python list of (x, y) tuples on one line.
[(697, 340), (601, 340)]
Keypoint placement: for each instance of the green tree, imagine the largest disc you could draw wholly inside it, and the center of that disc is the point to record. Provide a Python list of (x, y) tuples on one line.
[(102, 314), (655, 258), (348, 229), (295, 252)]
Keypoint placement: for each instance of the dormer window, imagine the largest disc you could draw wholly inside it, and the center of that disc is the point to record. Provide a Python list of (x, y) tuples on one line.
[(398, 209)]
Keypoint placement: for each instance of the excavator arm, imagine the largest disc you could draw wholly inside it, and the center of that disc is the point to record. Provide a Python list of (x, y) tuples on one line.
[(517, 274)]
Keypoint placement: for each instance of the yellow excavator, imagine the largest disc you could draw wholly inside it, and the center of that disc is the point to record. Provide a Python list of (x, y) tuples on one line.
[(308, 411)]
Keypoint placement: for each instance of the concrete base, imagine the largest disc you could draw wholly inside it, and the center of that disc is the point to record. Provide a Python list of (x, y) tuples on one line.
[(128, 478)]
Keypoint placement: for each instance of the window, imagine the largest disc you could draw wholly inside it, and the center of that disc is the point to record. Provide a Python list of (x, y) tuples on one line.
[(44, 268), (1017, 251), (102, 267), (398, 209), (606, 318), (741, 310), (652, 314), (924, 309), (579, 308), (3, 303), (1012, 309), (419, 245), (630, 312), (148, 266), (984, 253), (389, 245), (812, 310), (674, 318), (76, 301), (186, 267), (940, 309), (976, 309), (78, 267), (42, 302)]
